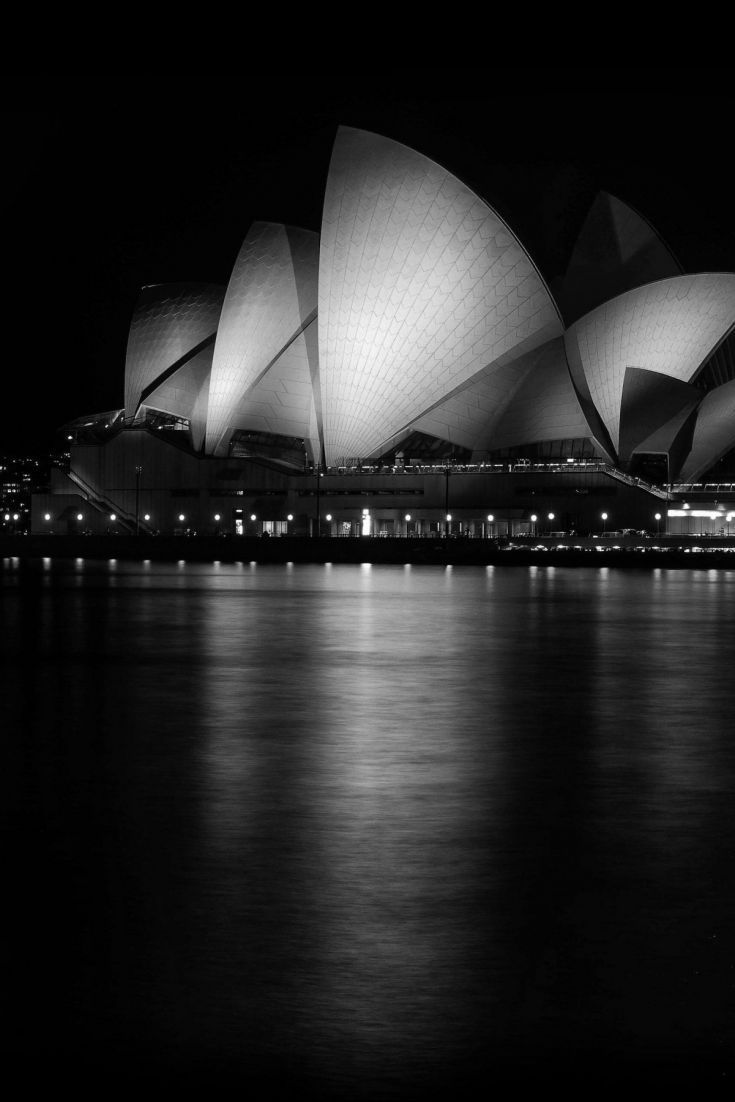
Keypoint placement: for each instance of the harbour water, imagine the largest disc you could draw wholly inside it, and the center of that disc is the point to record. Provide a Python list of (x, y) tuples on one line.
[(370, 831)]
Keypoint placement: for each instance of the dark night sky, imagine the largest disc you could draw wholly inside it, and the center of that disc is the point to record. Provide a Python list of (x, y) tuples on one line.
[(99, 202)]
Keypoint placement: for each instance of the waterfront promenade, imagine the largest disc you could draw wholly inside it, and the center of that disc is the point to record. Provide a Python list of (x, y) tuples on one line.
[(668, 551)]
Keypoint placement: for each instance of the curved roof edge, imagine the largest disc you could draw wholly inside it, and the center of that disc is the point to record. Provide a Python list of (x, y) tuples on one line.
[(422, 284), (616, 250)]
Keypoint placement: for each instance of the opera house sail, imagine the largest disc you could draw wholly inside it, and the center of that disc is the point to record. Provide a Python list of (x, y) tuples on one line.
[(414, 328)]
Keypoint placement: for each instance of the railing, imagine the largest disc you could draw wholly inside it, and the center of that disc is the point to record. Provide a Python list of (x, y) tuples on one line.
[(104, 504), (703, 487)]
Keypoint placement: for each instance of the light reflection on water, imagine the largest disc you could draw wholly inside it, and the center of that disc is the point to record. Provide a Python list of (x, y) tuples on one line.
[(375, 826)]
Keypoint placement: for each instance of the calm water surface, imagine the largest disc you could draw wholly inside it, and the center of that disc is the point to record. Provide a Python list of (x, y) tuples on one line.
[(367, 831)]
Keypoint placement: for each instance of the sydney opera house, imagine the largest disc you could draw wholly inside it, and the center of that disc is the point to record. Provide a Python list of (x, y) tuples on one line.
[(410, 364)]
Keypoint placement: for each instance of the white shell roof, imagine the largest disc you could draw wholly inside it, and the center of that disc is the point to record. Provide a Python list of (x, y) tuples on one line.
[(170, 320), (669, 327), (283, 401), (714, 432), (617, 249), (185, 393), (271, 297), (544, 407), (421, 286)]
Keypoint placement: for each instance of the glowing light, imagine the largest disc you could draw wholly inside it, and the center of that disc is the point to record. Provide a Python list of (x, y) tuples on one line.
[(217, 517), (47, 516), (80, 516), (290, 516), (181, 516), (408, 516), (551, 516), (147, 516), (329, 516), (449, 516), (490, 517), (534, 518), (253, 516), (113, 516)]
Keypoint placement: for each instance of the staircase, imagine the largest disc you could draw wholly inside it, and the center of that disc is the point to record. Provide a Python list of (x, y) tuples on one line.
[(105, 505)]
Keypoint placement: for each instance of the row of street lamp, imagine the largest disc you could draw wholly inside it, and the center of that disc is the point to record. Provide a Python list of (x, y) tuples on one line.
[(218, 517)]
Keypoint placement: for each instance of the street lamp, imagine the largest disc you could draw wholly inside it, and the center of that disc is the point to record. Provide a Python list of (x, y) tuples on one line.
[(138, 473), (80, 516), (658, 524), (490, 519), (449, 520), (604, 523), (534, 518)]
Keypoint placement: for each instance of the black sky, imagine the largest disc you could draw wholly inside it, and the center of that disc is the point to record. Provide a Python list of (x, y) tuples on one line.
[(100, 201)]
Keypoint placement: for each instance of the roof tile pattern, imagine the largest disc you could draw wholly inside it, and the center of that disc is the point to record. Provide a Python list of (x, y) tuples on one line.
[(271, 296), (421, 285), (283, 401), (671, 327), (169, 320)]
